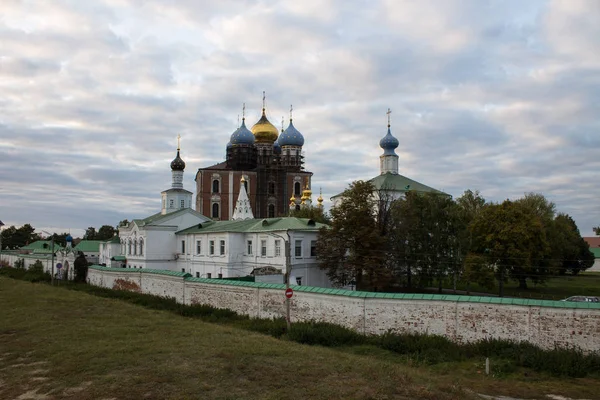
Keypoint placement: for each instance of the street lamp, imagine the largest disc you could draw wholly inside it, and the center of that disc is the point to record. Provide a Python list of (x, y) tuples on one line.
[(288, 271), (51, 276)]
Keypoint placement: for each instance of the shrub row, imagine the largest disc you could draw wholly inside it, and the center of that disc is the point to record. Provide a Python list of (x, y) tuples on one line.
[(35, 273), (506, 356)]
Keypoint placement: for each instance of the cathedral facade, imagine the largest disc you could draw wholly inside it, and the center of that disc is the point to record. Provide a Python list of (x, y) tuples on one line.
[(271, 165)]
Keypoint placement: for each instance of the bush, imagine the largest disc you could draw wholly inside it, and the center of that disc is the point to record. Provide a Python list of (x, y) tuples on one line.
[(324, 334), (273, 327), (427, 349)]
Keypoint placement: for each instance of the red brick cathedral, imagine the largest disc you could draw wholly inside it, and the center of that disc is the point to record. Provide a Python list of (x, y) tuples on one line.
[(272, 166)]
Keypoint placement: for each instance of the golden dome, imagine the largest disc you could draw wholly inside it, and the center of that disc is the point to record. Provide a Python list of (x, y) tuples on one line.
[(264, 131)]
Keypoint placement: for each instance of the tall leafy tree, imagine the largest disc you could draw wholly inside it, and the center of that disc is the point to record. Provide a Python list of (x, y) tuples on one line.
[(14, 238), (90, 233), (570, 252), (105, 232), (513, 241), (315, 213), (352, 248)]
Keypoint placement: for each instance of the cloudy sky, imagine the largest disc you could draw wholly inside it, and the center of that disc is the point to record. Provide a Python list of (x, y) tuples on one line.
[(498, 96)]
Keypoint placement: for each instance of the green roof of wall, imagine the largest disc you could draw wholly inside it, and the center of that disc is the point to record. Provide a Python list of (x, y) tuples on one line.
[(376, 295), (89, 245), (255, 226), (39, 245), (596, 252)]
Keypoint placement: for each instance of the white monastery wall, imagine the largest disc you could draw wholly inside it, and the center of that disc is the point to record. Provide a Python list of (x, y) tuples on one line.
[(461, 320)]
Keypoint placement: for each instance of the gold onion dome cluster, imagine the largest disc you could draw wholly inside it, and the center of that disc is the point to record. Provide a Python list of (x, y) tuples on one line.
[(264, 131)]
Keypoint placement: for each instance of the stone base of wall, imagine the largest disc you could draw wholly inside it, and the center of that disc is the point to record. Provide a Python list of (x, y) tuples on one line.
[(546, 324)]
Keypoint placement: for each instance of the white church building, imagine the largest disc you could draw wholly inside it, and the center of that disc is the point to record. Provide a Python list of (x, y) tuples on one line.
[(179, 238)]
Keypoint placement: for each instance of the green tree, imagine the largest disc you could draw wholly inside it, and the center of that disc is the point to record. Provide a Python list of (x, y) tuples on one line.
[(315, 213), (105, 232), (425, 238), (513, 241), (81, 267), (14, 238), (352, 249), (570, 252), (90, 233), (597, 230)]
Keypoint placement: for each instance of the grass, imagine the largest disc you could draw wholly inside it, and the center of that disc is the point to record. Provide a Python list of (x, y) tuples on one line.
[(555, 288), (68, 344)]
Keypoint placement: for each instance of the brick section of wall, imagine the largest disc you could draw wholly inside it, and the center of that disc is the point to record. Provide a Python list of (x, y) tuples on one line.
[(461, 321)]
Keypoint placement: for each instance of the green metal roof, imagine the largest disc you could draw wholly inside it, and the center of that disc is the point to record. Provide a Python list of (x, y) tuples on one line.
[(401, 183), (256, 225), (375, 295), (114, 239), (89, 245), (119, 258), (158, 217), (39, 245), (596, 252)]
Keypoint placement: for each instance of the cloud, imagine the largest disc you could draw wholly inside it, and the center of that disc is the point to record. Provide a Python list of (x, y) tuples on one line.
[(496, 96)]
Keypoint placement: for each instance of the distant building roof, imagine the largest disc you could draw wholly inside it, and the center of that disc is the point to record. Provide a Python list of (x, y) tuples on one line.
[(89, 246), (158, 217), (593, 241), (399, 183), (42, 246), (256, 225)]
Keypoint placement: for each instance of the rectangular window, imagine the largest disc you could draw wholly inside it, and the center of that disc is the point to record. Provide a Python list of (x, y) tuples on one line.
[(182, 269), (208, 275), (313, 248), (198, 246), (211, 247), (263, 248), (249, 251), (298, 248), (171, 203), (277, 248), (222, 247), (197, 274), (182, 203), (183, 247)]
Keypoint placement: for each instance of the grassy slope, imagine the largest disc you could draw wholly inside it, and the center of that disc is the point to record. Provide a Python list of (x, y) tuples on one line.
[(68, 344)]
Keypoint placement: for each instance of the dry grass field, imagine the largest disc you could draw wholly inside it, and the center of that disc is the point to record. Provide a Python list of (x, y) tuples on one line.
[(62, 344)]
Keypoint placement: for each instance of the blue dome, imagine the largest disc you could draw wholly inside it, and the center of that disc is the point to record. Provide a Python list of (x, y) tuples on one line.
[(228, 145), (242, 135), (177, 164), (69, 238), (291, 137), (389, 143), (276, 148)]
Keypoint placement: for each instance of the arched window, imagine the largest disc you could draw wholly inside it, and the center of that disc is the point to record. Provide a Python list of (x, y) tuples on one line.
[(215, 186), (297, 189), (271, 187), (297, 207), (129, 247), (122, 247), (271, 210), (141, 247), (246, 185), (135, 247), (215, 210)]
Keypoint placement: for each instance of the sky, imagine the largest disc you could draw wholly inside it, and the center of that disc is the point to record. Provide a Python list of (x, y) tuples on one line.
[(498, 96)]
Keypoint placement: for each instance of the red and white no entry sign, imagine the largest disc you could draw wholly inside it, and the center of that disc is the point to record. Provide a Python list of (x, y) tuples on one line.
[(289, 293)]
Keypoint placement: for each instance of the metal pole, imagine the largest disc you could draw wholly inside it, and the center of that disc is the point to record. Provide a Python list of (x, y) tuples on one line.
[(52, 277), (288, 270)]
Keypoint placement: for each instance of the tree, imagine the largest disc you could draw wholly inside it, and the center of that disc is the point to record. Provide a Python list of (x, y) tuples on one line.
[(570, 252), (105, 232), (512, 239), (597, 230), (315, 213), (425, 238), (81, 267), (352, 249), (14, 238), (90, 233)]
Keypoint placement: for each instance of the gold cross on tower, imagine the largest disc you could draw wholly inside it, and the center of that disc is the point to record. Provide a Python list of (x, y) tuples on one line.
[(388, 115), (178, 139)]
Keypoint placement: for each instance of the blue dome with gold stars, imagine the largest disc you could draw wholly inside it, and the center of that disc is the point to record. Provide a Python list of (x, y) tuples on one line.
[(291, 137), (242, 135), (177, 164)]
